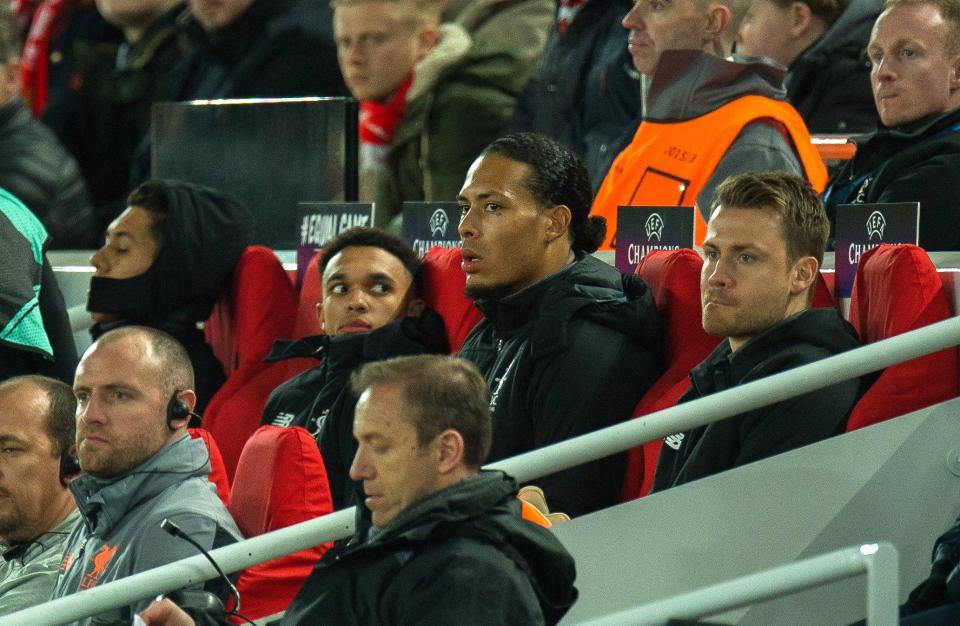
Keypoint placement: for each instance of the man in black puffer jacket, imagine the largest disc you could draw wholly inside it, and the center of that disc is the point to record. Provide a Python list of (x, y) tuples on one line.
[(568, 345), (370, 310), (763, 250)]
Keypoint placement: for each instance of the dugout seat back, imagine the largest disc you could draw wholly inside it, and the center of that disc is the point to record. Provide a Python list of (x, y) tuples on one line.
[(310, 291), (443, 283), (280, 481), (258, 308), (674, 280), (218, 472), (897, 289)]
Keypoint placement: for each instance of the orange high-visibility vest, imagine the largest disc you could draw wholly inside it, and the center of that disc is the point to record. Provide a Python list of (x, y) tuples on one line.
[(668, 163)]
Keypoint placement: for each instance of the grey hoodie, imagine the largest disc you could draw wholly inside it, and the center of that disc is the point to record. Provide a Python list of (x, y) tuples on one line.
[(120, 534)]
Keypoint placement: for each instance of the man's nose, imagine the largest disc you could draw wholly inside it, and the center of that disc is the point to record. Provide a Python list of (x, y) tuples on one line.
[(359, 469), (99, 262), (468, 225), (358, 300)]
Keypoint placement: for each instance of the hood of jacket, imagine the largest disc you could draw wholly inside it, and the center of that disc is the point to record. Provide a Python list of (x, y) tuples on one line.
[(588, 289), (486, 504), (204, 234), (103, 502), (691, 83), (818, 329)]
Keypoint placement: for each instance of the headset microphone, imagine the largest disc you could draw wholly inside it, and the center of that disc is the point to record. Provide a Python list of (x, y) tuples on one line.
[(202, 600), (69, 466), (177, 411)]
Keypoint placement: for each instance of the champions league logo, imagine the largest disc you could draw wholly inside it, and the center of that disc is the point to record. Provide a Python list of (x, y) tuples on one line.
[(439, 223), (654, 227), (875, 225)]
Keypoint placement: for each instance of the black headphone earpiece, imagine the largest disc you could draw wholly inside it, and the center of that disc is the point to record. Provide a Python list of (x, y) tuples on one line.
[(177, 411), (69, 466)]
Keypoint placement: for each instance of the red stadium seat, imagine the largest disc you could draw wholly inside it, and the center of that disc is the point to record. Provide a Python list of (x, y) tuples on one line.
[(896, 290), (674, 279), (307, 324), (258, 308), (218, 473), (443, 283), (280, 481), (822, 298)]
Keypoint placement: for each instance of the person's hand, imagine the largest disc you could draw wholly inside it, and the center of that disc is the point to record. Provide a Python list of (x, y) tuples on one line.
[(165, 613)]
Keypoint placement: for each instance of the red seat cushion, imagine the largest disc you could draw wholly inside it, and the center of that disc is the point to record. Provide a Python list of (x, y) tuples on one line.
[(443, 283), (896, 290), (280, 481), (218, 472), (822, 298), (257, 308), (674, 280), (306, 324)]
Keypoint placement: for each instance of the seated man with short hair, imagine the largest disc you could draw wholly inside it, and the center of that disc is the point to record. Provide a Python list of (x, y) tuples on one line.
[(37, 512), (915, 155), (134, 390), (448, 544), (763, 251), (371, 309), (822, 44), (705, 116)]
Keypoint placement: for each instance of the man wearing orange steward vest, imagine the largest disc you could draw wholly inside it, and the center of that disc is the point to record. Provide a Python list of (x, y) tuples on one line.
[(705, 117)]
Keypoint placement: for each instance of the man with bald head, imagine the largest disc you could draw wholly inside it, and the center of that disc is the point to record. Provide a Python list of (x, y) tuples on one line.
[(37, 512), (134, 392)]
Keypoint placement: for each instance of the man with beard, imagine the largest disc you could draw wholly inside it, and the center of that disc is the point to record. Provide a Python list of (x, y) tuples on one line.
[(134, 391), (37, 512), (763, 250), (568, 345)]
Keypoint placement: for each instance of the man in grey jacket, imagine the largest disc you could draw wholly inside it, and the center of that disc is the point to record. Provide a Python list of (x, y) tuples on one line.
[(134, 390), (37, 512)]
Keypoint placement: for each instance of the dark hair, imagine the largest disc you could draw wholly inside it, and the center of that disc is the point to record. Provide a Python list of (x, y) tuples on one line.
[(375, 238), (826, 10), (154, 197), (176, 370), (61, 408), (557, 176), (10, 44), (442, 392)]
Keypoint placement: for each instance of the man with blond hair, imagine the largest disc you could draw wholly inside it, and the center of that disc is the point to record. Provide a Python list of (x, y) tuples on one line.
[(915, 155), (429, 99), (763, 251)]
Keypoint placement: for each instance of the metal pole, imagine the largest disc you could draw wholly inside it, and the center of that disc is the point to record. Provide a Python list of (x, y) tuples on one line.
[(763, 392), (877, 561), (524, 467)]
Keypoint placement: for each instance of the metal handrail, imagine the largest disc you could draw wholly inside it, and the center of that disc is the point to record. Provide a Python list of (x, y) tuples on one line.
[(879, 561), (524, 467)]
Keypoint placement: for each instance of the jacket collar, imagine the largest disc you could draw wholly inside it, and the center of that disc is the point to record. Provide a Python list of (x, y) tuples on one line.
[(516, 310), (691, 83), (104, 502)]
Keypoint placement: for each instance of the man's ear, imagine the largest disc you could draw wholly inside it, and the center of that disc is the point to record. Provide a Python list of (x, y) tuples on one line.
[(415, 306), (426, 41), (804, 275), (449, 449), (718, 22), (320, 316), (188, 397), (558, 221), (800, 19), (955, 74)]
